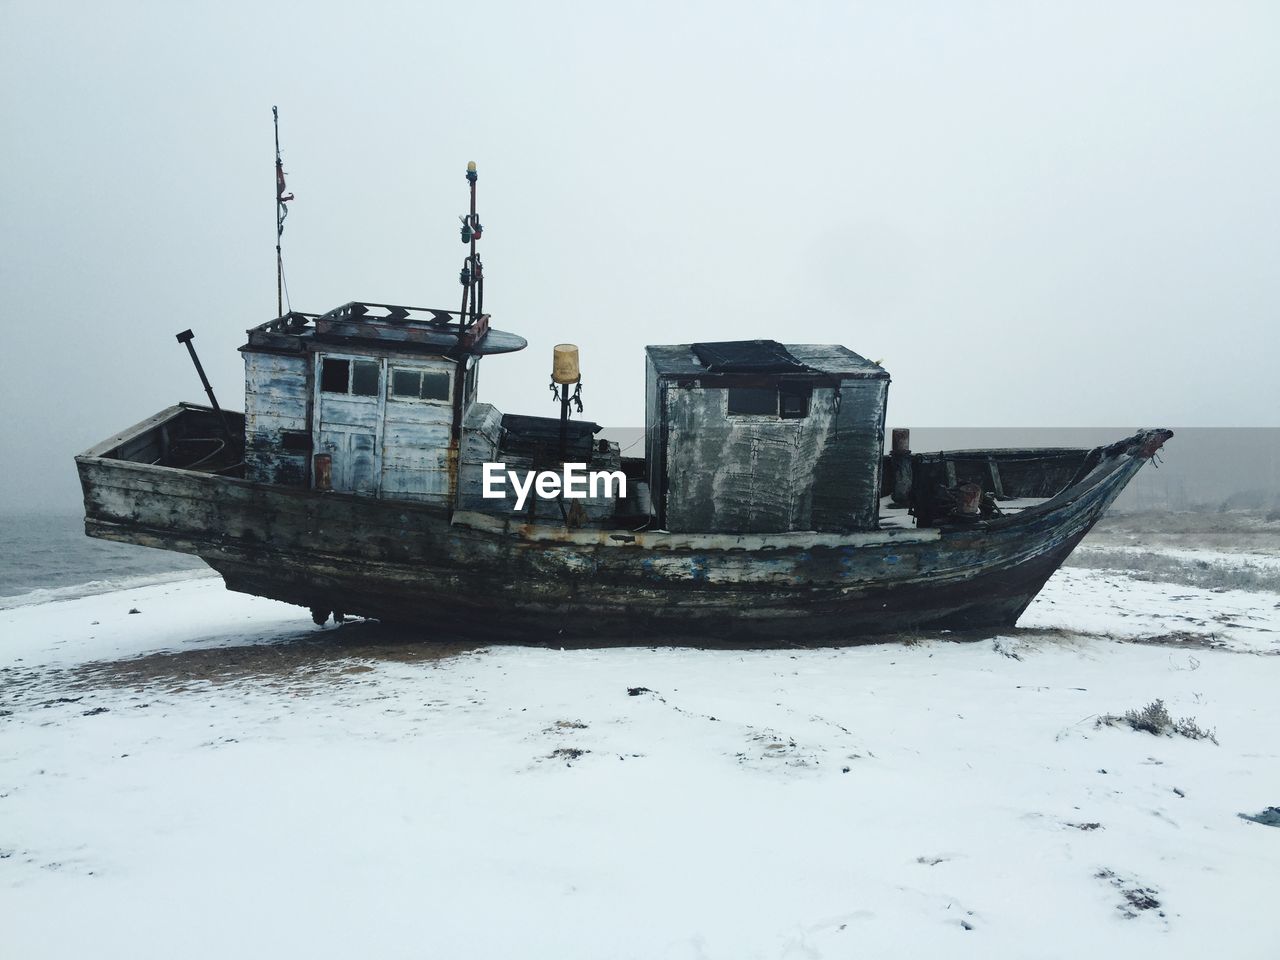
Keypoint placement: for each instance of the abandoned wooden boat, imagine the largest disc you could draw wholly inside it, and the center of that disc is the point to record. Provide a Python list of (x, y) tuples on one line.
[(359, 480)]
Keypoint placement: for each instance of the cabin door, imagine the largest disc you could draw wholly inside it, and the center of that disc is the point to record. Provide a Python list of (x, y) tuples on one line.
[(348, 422)]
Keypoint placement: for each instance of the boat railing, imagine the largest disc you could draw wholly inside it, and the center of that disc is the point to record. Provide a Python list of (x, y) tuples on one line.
[(420, 325), (386, 322), (393, 313), (290, 323)]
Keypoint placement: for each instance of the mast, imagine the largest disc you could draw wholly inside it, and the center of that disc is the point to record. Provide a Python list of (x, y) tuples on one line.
[(282, 211), (472, 275)]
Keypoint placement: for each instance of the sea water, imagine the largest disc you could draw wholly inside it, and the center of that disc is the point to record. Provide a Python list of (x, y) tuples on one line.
[(47, 556)]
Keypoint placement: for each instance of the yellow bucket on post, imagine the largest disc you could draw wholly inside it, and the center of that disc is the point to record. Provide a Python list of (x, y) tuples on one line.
[(564, 363)]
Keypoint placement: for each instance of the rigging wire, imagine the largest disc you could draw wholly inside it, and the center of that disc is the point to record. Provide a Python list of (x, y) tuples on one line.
[(284, 280)]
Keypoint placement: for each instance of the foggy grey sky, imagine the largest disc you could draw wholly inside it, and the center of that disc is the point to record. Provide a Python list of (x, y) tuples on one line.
[(1032, 214)]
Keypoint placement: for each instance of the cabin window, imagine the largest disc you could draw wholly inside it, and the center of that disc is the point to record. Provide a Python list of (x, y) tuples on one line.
[(753, 402), (788, 401), (793, 401), (364, 378), (420, 385), (355, 377), (334, 375), (435, 386)]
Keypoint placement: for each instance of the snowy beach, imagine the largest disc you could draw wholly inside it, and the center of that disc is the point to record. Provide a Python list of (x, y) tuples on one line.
[(213, 776), (863, 317)]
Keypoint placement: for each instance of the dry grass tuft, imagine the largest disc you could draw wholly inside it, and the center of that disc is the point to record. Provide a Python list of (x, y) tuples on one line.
[(1154, 719)]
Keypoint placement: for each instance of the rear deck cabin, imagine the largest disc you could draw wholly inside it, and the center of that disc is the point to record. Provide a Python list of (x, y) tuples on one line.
[(757, 437)]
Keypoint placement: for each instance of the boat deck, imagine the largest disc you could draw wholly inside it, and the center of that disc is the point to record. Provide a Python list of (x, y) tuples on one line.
[(900, 518)]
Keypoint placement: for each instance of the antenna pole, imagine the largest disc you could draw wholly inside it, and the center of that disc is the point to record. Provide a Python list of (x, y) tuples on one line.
[(275, 117), (472, 274), (477, 302), (282, 211)]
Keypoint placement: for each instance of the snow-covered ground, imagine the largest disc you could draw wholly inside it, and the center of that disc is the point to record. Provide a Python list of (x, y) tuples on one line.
[(1262, 562), (212, 776)]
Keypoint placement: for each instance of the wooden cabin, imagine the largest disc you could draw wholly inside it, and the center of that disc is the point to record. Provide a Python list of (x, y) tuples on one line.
[(759, 437), (381, 401), (376, 392)]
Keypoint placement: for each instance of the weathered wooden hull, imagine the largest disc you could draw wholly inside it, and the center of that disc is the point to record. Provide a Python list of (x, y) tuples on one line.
[(487, 577)]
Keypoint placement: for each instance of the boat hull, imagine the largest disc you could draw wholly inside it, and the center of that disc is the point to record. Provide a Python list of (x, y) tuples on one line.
[(489, 578)]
